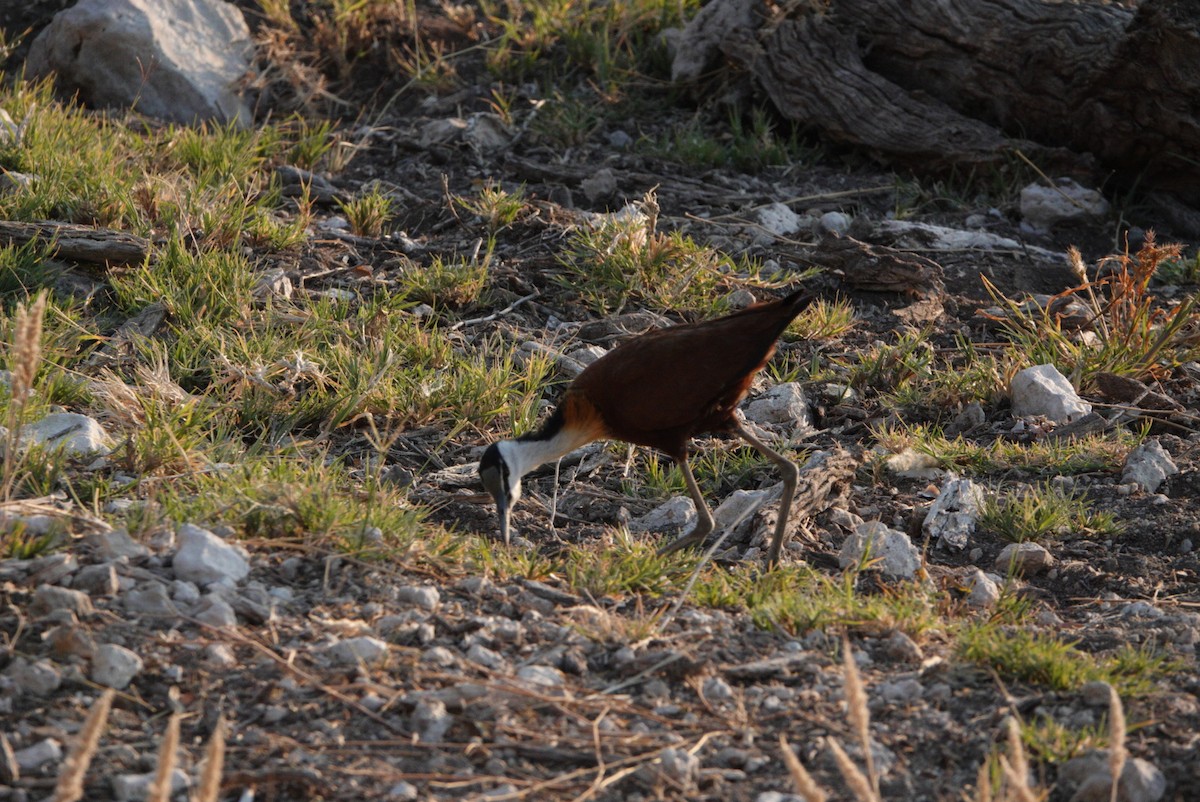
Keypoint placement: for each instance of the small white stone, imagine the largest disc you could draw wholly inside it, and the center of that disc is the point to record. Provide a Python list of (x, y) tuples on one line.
[(431, 720), (149, 599), (115, 666), (834, 223), (1024, 558), (778, 220), (135, 787), (363, 649), (1043, 390), (953, 515), (204, 558), (545, 676), (425, 597), (38, 677), (97, 580), (680, 765), (49, 599), (670, 516), (33, 757), (403, 792), (1042, 206), (1148, 466), (214, 611), (783, 403), (716, 689), (889, 550), (219, 656), (900, 692), (78, 435), (488, 658), (983, 592)]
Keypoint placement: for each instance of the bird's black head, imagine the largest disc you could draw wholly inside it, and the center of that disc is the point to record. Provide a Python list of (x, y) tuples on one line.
[(498, 479)]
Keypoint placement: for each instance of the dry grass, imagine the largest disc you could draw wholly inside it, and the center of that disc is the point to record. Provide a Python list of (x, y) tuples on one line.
[(25, 355), (160, 789), (70, 778), (214, 761)]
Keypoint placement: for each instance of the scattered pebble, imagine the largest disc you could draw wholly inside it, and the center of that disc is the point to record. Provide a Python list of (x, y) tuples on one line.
[(135, 787), (363, 649), (424, 596), (37, 677), (204, 558), (115, 666), (889, 550), (1024, 558), (33, 757)]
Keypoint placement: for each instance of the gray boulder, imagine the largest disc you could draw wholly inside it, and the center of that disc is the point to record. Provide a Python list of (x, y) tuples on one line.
[(179, 60)]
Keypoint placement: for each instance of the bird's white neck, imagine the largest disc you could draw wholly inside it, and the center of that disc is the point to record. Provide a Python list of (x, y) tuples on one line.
[(523, 455)]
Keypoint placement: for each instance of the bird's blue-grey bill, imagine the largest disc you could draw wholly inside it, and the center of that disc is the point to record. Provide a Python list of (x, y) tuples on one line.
[(503, 511)]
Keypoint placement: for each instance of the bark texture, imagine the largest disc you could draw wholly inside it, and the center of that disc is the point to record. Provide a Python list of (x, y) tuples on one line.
[(934, 84)]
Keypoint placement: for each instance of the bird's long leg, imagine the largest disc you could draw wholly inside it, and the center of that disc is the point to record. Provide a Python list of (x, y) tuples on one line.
[(704, 519), (791, 475)]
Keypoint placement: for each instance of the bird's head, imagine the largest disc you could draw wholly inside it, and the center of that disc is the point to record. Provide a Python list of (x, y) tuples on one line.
[(499, 477)]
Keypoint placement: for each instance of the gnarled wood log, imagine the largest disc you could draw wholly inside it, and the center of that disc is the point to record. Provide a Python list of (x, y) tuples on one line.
[(79, 243), (938, 83)]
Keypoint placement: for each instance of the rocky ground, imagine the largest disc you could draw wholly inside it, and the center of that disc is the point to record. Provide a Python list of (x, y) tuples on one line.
[(345, 679)]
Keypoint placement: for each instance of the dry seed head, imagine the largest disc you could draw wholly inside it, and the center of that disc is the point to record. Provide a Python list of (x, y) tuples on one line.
[(857, 712), (858, 782), (160, 789), (1077, 266), (806, 786), (1117, 753), (70, 778), (214, 763), (1016, 751), (27, 346)]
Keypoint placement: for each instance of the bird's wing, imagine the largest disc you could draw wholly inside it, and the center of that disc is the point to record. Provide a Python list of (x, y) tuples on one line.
[(674, 377)]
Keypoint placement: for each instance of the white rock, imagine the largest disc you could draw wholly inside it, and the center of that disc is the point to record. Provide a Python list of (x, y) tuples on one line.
[(431, 720), (219, 656), (983, 591), (115, 544), (363, 649), (891, 551), (900, 692), (97, 580), (184, 593), (776, 796), (77, 435), (1148, 466), (600, 185), (716, 689), (783, 403), (900, 647), (273, 283), (951, 519), (180, 60), (150, 599), (33, 757), (681, 766), (38, 677), (53, 568), (1042, 390), (779, 220), (1141, 780), (913, 464), (425, 597), (215, 611), (833, 223), (115, 666), (204, 558), (135, 787), (1042, 206), (1024, 558), (545, 676), (403, 792), (738, 506), (49, 599), (671, 516), (488, 658)]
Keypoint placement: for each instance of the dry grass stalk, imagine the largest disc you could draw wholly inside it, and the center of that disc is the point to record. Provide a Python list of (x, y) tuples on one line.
[(1016, 751), (214, 763), (24, 356), (983, 783), (1016, 782), (1117, 753), (857, 712), (70, 778), (160, 789), (806, 786), (858, 782)]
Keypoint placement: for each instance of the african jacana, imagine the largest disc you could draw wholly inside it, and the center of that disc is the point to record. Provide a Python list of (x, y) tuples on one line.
[(659, 389)]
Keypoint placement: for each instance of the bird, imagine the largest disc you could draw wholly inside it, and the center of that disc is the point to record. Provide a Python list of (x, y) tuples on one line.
[(659, 390)]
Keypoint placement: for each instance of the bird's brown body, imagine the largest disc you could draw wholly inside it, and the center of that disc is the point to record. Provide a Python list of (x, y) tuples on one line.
[(659, 390), (663, 388)]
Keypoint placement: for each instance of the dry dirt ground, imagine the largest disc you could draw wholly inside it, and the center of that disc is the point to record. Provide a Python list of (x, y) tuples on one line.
[(525, 690)]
